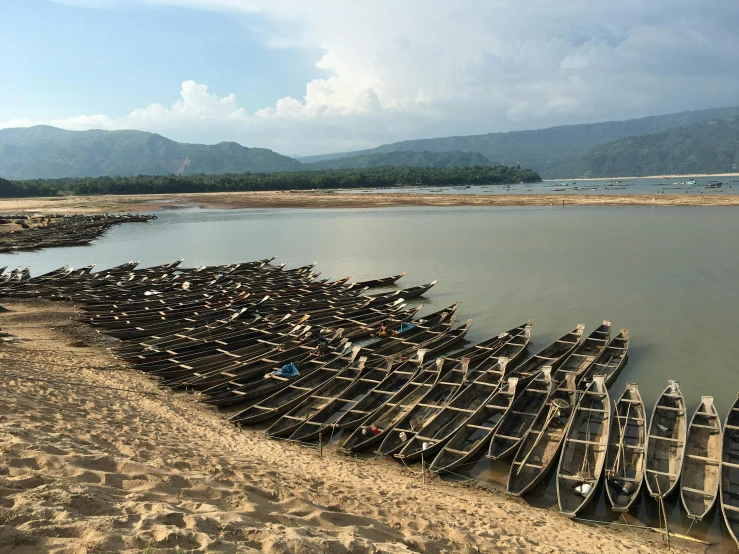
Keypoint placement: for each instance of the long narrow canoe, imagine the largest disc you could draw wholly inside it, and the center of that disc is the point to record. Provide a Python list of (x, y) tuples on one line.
[(406, 418), (465, 444), (368, 433), (666, 442), (540, 445), (284, 400), (552, 355), (319, 410), (585, 354), (584, 449), (272, 382), (383, 282), (364, 416), (730, 471), (523, 412), (326, 419), (610, 362), (627, 441), (702, 463), (441, 426)]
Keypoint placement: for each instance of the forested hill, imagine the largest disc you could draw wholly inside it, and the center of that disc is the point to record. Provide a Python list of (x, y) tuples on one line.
[(708, 147), (48, 152), (552, 152), (283, 180), (423, 158)]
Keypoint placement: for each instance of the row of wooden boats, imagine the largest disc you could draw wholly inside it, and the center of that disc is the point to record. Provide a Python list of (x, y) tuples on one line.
[(60, 230), (313, 358)]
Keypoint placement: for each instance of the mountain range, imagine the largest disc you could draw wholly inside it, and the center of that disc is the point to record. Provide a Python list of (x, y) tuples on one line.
[(705, 141)]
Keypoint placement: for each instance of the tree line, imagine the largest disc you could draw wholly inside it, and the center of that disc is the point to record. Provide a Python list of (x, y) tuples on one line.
[(389, 176)]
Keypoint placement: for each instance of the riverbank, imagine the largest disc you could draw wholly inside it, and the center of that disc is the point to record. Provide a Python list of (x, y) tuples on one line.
[(96, 458), (343, 200)]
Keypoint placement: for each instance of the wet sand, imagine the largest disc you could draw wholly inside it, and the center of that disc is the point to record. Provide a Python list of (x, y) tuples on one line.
[(95, 458), (345, 200)]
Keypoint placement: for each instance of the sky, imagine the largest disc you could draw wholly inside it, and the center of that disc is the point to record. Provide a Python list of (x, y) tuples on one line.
[(310, 77)]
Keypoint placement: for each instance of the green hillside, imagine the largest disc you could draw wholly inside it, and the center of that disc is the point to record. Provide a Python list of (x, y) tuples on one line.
[(406, 159), (48, 152), (708, 147), (551, 152)]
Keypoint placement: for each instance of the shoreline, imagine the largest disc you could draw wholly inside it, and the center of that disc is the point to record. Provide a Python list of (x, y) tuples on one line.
[(101, 459), (342, 200), (674, 176)]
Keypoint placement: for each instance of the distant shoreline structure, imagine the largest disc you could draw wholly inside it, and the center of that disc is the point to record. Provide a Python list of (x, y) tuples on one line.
[(644, 177)]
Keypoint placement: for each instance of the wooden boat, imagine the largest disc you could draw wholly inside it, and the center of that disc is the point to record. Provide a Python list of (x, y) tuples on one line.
[(343, 370), (730, 471), (702, 462), (627, 441), (368, 433), (406, 294), (473, 435), (371, 416), (610, 362), (377, 282), (439, 427), (584, 449), (476, 432), (321, 409), (552, 355), (540, 446), (404, 419), (666, 442), (272, 382), (488, 347), (521, 416), (585, 354)]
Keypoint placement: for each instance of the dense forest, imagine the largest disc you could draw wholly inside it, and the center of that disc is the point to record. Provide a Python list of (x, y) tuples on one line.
[(284, 180), (423, 158), (708, 147), (554, 152)]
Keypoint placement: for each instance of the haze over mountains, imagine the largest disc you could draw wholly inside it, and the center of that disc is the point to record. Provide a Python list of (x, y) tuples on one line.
[(705, 141)]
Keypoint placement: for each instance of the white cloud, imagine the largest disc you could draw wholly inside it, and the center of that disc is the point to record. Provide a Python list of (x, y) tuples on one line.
[(433, 67)]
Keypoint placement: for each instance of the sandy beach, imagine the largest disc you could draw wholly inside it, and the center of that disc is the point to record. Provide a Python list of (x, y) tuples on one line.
[(343, 200), (95, 458)]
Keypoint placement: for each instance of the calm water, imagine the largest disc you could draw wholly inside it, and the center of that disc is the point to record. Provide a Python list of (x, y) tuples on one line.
[(669, 274)]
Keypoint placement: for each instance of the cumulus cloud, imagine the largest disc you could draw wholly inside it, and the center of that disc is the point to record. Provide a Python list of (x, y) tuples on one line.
[(421, 68)]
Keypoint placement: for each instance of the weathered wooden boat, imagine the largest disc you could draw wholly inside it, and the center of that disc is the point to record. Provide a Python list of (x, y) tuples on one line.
[(404, 419), (272, 382), (319, 410), (627, 441), (464, 445), (584, 449), (297, 391), (610, 362), (552, 355), (540, 446), (730, 471), (383, 282), (477, 389), (486, 348), (406, 294), (666, 442), (223, 379), (585, 354), (354, 414), (701, 471), (520, 417)]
